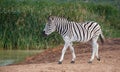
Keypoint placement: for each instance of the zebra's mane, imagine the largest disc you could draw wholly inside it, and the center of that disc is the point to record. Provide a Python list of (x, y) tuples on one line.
[(58, 18), (62, 19)]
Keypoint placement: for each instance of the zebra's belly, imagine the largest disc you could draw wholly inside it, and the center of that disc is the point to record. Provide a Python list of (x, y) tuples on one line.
[(78, 39), (75, 39)]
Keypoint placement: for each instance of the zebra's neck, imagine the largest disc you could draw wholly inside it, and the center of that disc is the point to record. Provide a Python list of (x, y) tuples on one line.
[(62, 27)]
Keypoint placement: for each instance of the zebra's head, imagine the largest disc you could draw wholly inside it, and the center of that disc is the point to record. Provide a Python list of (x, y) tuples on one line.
[(50, 26)]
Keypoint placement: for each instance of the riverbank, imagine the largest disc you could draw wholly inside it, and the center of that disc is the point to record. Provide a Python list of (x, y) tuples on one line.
[(47, 60)]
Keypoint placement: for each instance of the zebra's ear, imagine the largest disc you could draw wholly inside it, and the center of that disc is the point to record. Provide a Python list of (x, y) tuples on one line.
[(50, 18)]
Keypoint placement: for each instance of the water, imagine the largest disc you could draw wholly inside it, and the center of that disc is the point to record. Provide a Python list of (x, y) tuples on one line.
[(14, 56)]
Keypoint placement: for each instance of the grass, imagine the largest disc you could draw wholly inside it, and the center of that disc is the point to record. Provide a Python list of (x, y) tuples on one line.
[(22, 21)]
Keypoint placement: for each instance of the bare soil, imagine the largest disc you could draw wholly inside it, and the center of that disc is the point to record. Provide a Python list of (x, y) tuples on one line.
[(47, 61)]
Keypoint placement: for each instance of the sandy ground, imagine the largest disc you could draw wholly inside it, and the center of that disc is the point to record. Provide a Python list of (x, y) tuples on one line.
[(47, 60)]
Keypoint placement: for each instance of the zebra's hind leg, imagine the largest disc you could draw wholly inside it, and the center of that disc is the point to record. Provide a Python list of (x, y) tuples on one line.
[(73, 53), (94, 49), (97, 48)]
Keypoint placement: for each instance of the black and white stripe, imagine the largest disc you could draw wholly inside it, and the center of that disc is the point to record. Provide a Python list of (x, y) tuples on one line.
[(82, 31)]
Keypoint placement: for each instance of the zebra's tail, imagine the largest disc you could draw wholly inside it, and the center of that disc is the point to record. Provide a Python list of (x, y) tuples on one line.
[(102, 38)]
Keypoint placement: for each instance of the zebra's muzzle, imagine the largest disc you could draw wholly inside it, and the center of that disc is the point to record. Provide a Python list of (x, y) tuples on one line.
[(44, 34)]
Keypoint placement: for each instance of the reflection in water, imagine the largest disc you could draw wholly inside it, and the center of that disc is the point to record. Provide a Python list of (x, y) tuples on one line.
[(14, 56), (6, 62)]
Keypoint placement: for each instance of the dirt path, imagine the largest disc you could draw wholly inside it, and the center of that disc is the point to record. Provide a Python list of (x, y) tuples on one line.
[(47, 61)]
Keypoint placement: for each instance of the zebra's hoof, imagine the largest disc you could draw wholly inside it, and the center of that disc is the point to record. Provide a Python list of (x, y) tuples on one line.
[(59, 62), (72, 62), (89, 62), (98, 59)]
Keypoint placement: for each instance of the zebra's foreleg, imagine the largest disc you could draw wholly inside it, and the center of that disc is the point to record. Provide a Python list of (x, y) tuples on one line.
[(73, 53), (63, 53)]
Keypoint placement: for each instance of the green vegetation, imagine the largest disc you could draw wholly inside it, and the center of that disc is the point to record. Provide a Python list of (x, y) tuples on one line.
[(22, 21)]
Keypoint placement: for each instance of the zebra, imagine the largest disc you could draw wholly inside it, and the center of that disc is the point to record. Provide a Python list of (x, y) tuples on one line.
[(75, 32)]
